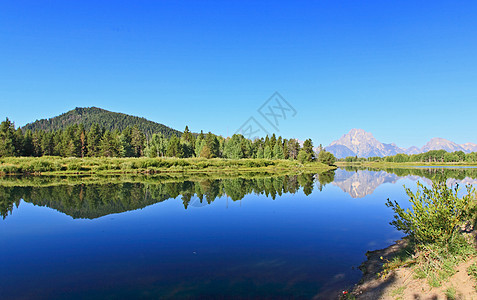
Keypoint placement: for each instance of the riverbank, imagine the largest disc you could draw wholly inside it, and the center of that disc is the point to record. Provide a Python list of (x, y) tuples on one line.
[(142, 165), (383, 165), (402, 282)]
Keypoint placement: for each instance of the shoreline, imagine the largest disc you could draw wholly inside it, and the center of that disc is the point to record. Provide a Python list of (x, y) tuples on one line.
[(403, 164), (57, 166), (402, 283), (371, 285)]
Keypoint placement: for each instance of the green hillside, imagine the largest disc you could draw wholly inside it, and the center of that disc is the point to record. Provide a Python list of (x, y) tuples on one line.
[(107, 119)]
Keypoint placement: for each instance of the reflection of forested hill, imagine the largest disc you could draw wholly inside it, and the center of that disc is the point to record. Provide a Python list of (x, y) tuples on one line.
[(92, 201), (363, 182), (96, 200)]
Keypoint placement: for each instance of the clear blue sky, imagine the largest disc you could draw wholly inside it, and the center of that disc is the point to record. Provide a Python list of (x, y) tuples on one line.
[(405, 71)]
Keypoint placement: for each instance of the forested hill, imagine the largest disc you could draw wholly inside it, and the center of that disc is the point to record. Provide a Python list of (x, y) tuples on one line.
[(107, 119)]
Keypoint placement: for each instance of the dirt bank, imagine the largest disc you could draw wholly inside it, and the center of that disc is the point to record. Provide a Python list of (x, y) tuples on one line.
[(402, 284)]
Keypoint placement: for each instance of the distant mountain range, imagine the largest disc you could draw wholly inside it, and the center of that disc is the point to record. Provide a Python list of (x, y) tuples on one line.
[(107, 119), (358, 142)]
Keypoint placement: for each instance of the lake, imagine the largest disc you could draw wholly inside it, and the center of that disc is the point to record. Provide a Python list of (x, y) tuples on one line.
[(300, 237)]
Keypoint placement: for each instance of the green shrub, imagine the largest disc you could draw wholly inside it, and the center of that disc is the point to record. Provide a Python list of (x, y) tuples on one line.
[(202, 165), (127, 165), (42, 166), (9, 169), (181, 163), (74, 167), (25, 168), (436, 212), (57, 166)]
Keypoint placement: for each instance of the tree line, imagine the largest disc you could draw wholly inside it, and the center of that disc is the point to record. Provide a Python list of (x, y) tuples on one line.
[(435, 156), (76, 141)]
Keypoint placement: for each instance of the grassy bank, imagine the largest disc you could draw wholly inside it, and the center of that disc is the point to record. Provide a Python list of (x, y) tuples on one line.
[(77, 179), (104, 166)]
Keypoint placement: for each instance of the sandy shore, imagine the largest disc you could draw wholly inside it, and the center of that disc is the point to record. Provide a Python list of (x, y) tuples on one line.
[(402, 284)]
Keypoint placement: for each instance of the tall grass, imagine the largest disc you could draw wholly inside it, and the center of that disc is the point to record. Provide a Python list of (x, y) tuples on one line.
[(50, 164)]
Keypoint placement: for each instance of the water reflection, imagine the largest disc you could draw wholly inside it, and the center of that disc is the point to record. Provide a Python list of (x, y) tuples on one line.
[(93, 200), (90, 201), (302, 238), (360, 182)]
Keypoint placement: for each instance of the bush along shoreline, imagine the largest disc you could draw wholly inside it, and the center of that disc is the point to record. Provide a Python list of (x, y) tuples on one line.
[(438, 256)]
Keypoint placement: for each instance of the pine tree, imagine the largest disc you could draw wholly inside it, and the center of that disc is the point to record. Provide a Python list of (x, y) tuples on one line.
[(199, 144), (187, 141), (267, 152), (174, 148), (109, 144), (293, 149), (137, 141), (7, 139), (38, 139), (125, 147), (94, 139), (306, 153), (47, 146), (285, 149), (213, 144), (260, 153), (278, 151), (273, 141), (81, 133), (19, 140), (233, 147), (28, 144)]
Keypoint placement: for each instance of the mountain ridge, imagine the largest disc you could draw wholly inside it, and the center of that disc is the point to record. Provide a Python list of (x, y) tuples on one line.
[(358, 142)]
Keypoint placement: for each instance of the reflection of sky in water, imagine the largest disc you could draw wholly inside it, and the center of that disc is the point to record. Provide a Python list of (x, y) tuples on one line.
[(295, 245)]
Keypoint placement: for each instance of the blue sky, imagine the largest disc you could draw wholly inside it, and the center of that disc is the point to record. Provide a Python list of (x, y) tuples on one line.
[(404, 70)]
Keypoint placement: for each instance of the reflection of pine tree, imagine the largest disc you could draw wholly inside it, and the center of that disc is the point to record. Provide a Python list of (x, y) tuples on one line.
[(96, 200), (325, 178), (9, 197), (306, 181)]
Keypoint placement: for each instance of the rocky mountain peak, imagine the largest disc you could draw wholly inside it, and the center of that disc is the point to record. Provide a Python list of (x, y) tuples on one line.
[(358, 142), (361, 143)]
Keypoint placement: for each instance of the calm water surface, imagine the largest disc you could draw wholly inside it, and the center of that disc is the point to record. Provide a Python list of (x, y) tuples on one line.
[(282, 237)]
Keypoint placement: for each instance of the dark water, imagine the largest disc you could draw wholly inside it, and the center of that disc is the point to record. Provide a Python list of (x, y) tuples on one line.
[(265, 237)]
